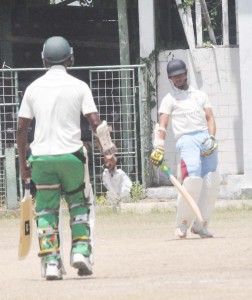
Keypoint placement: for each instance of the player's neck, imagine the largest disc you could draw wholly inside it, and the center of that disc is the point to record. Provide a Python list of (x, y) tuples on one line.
[(183, 87)]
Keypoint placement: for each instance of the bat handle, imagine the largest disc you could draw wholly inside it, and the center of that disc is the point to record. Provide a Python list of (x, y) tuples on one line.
[(166, 169), (27, 180), (28, 166), (27, 183), (27, 187)]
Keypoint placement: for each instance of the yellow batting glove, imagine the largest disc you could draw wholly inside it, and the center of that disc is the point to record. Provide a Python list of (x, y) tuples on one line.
[(157, 156)]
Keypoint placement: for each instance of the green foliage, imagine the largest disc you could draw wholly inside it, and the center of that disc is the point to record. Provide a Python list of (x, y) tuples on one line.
[(186, 4), (137, 192), (101, 200), (212, 10), (207, 44), (150, 66)]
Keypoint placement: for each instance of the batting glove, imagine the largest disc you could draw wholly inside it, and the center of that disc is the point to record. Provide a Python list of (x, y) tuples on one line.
[(209, 146), (110, 162), (157, 156)]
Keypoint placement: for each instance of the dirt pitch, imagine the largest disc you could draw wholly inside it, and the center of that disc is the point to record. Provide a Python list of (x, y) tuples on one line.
[(138, 257)]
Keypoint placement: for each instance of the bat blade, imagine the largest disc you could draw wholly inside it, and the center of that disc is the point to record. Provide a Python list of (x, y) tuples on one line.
[(184, 193), (25, 237)]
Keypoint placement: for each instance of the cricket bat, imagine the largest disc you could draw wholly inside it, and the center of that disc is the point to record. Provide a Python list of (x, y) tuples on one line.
[(25, 223), (184, 193)]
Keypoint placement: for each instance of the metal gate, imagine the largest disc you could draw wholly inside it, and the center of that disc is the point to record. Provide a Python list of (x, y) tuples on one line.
[(114, 92), (8, 126), (119, 93)]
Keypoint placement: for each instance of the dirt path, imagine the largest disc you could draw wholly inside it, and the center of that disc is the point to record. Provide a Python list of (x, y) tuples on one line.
[(138, 257)]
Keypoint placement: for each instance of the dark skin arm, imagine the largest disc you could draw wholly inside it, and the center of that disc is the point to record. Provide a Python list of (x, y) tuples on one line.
[(94, 120)]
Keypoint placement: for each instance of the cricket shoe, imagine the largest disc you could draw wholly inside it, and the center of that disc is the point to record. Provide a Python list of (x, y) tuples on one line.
[(82, 263), (201, 231), (181, 231), (52, 271)]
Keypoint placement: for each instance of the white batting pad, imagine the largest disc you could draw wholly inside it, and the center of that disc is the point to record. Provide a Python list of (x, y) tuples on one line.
[(61, 238), (117, 182), (209, 194), (185, 214), (92, 221)]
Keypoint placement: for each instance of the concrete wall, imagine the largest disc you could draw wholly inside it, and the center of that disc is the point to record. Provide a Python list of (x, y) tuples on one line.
[(245, 41), (219, 77), (225, 74)]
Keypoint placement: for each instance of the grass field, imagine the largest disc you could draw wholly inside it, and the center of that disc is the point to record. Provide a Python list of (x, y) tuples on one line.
[(138, 257)]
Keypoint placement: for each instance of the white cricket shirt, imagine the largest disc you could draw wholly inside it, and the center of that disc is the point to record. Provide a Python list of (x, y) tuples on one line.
[(56, 101), (186, 109)]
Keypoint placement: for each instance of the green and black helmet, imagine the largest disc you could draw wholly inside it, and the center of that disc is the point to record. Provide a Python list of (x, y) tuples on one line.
[(56, 50)]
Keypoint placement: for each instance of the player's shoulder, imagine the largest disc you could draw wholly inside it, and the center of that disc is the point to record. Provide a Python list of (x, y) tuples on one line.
[(169, 94), (76, 81), (192, 89), (169, 97), (197, 91), (35, 82)]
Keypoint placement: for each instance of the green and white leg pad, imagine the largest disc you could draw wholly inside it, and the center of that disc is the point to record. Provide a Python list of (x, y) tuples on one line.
[(49, 241)]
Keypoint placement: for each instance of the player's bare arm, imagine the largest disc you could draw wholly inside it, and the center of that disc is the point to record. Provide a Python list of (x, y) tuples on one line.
[(163, 123), (157, 154), (22, 132), (94, 120), (210, 121)]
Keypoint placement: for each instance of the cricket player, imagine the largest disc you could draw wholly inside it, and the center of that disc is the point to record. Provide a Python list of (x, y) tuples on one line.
[(56, 100), (194, 128)]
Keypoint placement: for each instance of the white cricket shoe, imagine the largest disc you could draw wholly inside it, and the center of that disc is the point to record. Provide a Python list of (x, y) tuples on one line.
[(52, 271), (201, 231), (81, 262), (181, 231)]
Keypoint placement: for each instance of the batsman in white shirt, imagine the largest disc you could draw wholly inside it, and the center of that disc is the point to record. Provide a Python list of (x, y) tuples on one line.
[(58, 160), (194, 128)]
